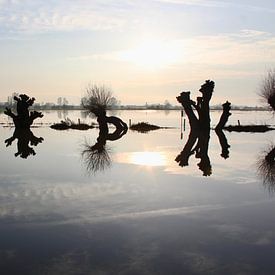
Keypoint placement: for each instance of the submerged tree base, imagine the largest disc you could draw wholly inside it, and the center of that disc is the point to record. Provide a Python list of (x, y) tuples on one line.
[(249, 128), (144, 127), (68, 124)]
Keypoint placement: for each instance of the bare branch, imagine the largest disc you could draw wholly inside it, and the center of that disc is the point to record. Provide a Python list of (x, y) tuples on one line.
[(267, 90)]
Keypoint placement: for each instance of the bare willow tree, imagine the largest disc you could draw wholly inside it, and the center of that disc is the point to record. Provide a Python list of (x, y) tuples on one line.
[(267, 89), (198, 114), (98, 99), (24, 118)]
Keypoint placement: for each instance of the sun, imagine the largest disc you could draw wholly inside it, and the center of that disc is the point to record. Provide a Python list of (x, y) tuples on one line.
[(152, 54)]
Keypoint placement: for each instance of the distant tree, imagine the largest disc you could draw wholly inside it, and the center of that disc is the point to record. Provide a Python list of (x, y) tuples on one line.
[(59, 101), (62, 101), (65, 101), (11, 101), (267, 89), (167, 104)]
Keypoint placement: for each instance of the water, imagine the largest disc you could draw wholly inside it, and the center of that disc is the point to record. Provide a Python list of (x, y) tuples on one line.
[(141, 214)]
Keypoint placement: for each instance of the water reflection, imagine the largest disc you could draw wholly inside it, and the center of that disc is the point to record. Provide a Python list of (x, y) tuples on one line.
[(198, 144), (148, 158), (97, 157), (266, 168), (24, 138), (62, 114), (135, 220), (223, 143)]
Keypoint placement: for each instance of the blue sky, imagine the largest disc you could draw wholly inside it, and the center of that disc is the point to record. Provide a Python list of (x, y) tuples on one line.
[(147, 51)]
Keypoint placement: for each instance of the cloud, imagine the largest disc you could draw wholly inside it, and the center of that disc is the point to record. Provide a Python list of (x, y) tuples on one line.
[(220, 4), (40, 16), (201, 3), (244, 47)]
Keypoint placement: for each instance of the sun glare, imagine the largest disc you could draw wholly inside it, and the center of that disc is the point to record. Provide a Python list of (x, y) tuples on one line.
[(148, 158), (152, 54)]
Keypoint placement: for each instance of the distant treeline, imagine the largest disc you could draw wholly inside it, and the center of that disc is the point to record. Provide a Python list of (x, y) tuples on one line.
[(52, 106)]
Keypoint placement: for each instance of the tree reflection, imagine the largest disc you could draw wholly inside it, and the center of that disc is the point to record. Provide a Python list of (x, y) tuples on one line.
[(223, 143), (198, 143), (266, 168), (25, 137), (97, 157)]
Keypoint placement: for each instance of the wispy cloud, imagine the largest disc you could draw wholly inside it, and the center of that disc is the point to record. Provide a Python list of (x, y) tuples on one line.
[(61, 15), (246, 46), (202, 3), (221, 4), (41, 16)]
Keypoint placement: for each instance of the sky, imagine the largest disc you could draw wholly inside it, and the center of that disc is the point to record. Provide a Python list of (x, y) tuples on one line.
[(145, 50)]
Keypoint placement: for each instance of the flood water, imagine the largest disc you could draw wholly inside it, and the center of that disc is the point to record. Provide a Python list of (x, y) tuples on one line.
[(140, 212)]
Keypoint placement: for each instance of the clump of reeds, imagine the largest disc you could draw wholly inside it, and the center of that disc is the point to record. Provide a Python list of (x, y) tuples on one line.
[(248, 128), (144, 127), (69, 124), (267, 89)]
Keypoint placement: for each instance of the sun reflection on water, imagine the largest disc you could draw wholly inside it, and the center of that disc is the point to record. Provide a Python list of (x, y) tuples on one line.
[(148, 158)]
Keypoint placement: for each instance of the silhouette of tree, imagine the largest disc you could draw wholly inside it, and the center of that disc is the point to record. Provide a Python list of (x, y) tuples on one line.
[(267, 90), (202, 119), (224, 117), (96, 102), (198, 114), (24, 119), (97, 99)]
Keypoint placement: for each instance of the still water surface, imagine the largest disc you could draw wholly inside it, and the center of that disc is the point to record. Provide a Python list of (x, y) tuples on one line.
[(141, 214)]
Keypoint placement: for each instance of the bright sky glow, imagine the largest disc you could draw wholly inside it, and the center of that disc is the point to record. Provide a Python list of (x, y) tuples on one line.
[(147, 51), (153, 54)]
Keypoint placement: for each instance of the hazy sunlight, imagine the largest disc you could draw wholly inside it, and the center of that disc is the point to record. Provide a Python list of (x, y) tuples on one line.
[(148, 158), (153, 54)]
